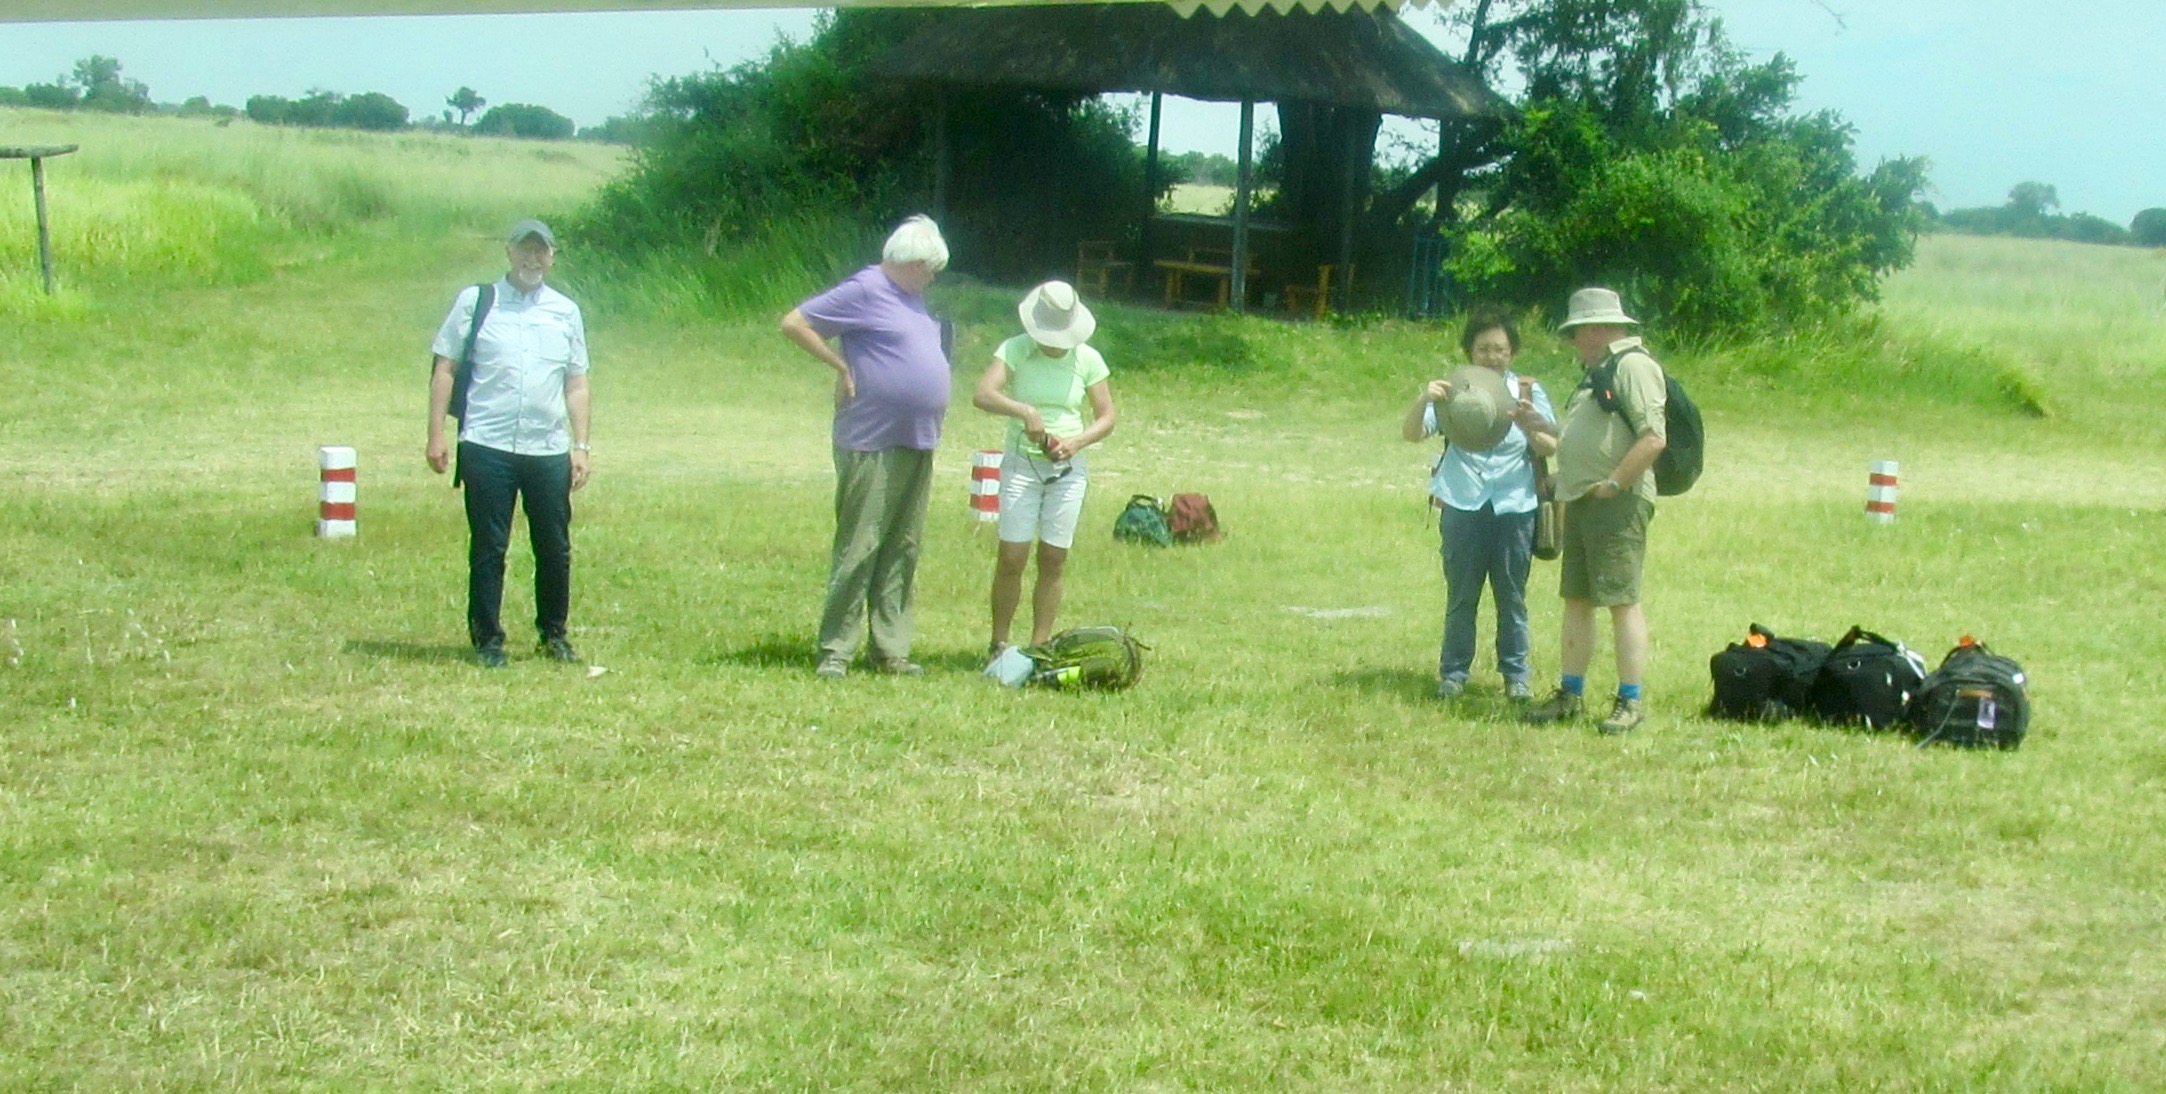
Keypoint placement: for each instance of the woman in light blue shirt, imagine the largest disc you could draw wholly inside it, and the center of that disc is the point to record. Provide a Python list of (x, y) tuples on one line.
[(1486, 505)]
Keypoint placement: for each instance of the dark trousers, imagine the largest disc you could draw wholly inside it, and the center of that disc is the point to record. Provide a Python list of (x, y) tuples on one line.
[(495, 482)]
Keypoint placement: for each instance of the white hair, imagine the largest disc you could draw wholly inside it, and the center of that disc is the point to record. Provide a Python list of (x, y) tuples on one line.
[(917, 240)]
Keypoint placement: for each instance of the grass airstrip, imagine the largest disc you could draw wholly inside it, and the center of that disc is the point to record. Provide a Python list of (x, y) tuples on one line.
[(263, 826)]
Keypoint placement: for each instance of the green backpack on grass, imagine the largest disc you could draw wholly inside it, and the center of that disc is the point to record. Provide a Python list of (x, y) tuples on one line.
[(1144, 521), (1107, 658)]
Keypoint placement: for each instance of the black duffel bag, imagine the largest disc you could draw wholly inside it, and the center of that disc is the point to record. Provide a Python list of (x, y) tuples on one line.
[(1867, 679), (1975, 699), (1765, 678)]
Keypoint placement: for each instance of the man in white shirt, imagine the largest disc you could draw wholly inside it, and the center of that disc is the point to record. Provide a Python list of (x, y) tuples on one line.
[(522, 434)]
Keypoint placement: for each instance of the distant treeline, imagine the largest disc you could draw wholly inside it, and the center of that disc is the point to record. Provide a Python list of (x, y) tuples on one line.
[(2028, 214), (1198, 168), (97, 84)]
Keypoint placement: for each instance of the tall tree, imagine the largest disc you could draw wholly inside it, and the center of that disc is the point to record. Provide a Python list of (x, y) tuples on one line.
[(103, 88), (465, 100), (1650, 154)]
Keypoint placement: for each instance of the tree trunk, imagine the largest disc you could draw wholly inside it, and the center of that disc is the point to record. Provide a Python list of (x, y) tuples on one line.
[(1317, 142)]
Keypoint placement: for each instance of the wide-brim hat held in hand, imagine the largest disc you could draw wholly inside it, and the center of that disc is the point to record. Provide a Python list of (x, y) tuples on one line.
[(1480, 411), (1600, 306), (1054, 316)]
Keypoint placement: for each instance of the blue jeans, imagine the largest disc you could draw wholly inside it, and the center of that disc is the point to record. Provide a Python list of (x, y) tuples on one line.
[(1496, 548)]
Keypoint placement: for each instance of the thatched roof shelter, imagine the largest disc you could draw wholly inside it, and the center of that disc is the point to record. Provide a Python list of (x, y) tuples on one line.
[(1368, 59), (1344, 63)]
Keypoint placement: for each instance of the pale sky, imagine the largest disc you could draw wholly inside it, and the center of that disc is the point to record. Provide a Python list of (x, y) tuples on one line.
[(1994, 92)]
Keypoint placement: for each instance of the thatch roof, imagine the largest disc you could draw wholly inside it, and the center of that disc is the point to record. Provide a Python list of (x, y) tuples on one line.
[(1354, 58)]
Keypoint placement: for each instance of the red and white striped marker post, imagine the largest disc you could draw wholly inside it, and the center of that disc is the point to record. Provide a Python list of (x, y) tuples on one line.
[(1880, 495), (335, 505), (985, 484)]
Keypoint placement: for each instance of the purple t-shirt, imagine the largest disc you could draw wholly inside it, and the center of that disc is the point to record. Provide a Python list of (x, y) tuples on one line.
[(893, 348)]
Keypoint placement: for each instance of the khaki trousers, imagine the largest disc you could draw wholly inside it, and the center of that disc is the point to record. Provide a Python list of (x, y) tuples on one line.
[(880, 500)]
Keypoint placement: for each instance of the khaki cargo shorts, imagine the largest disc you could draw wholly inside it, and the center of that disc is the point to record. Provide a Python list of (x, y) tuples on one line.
[(1605, 544)]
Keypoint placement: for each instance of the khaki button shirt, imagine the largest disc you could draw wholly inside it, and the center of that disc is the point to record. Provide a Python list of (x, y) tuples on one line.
[(1594, 441)]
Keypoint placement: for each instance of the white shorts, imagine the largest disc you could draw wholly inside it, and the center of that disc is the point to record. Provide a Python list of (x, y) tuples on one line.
[(1041, 500)]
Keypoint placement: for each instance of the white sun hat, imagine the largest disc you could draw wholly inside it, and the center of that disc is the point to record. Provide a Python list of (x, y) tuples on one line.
[(1054, 316), (1599, 306), (1480, 412)]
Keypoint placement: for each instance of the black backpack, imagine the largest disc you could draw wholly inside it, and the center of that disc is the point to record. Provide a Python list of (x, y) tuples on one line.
[(1685, 434), (1975, 699), (1765, 677), (1867, 679)]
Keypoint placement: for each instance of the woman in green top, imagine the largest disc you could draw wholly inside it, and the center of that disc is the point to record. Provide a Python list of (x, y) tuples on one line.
[(1041, 379)]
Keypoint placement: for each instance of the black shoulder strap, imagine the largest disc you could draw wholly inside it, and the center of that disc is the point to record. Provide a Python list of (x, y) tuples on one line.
[(463, 377), (1602, 380)]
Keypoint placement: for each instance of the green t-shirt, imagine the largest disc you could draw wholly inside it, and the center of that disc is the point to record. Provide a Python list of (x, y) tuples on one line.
[(1594, 440), (1057, 386)]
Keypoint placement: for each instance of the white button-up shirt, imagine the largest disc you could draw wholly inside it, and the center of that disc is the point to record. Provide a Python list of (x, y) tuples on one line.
[(529, 345), (1502, 477)]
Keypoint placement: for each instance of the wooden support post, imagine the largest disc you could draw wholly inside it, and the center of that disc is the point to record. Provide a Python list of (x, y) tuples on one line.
[(1145, 251), (943, 164), (45, 228), (1349, 150), (37, 154), (1242, 181)]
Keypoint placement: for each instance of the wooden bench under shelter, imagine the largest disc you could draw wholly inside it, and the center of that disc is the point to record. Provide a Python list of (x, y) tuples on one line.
[(1200, 262), (1098, 264), (1317, 298)]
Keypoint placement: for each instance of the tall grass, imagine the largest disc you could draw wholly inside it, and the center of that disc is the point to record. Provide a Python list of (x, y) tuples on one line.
[(221, 202)]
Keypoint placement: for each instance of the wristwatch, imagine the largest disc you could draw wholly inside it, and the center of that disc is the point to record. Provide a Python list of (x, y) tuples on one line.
[(582, 446), (1613, 484)]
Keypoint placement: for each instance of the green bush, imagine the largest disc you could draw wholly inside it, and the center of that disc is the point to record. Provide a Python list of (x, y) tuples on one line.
[(1707, 238), (525, 120), (2148, 229), (810, 132), (1650, 156)]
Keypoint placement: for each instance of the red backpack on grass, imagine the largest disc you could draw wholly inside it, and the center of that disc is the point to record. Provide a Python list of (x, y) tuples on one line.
[(1192, 520)]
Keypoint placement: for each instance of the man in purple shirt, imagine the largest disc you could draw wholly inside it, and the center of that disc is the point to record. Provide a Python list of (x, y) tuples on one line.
[(891, 396)]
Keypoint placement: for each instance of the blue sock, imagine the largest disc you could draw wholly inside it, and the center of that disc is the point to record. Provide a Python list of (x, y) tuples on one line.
[(1577, 685), (1628, 691)]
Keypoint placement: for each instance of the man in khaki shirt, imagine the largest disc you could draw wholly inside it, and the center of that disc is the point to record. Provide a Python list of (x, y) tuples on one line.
[(1605, 457)]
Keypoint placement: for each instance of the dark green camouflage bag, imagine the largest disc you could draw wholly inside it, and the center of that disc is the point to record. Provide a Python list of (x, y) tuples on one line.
[(1144, 521), (1106, 658)]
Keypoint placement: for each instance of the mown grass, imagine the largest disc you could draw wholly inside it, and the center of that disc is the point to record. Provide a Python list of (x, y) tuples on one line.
[(261, 825)]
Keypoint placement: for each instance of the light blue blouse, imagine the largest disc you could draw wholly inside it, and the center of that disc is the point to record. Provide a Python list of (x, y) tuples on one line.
[(1502, 478)]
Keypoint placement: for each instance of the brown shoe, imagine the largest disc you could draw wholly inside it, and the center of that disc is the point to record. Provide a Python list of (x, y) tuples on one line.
[(1561, 706), (900, 666)]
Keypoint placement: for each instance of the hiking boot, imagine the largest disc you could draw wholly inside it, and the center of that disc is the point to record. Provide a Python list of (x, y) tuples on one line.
[(832, 668), (1561, 706), (900, 666), (1624, 717), (560, 649), (490, 656), (1450, 688), (1518, 693)]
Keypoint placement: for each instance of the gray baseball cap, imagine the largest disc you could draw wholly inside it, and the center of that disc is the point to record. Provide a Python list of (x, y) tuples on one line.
[(531, 227)]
